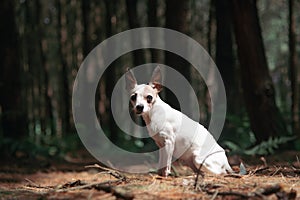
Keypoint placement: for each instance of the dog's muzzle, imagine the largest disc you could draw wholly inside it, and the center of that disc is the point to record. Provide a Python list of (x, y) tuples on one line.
[(139, 109)]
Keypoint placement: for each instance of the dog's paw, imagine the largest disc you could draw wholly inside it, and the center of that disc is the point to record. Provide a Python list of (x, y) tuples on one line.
[(164, 172)]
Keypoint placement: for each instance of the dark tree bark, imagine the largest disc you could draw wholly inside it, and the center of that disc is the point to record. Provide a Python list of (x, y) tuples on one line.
[(294, 71), (40, 56), (153, 22), (224, 52), (108, 16), (176, 19), (46, 114), (14, 118), (110, 74), (85, 9), (37, 105), (152, 13), (225, 61), (210, 23), (65, 100), (258, 88), (131, 5)]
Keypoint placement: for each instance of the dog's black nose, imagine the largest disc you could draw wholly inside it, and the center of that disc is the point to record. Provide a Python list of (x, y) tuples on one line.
[(139, 108)]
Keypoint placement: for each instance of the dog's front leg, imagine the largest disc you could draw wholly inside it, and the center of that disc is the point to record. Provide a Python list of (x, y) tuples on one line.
[(166, 145)]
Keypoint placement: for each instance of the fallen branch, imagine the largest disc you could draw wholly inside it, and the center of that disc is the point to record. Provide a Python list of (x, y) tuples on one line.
[(119, 192), (269, 190), (229, 193), (88, 186), (258, 170), (106, 186), (261, 193), (112, 172), (32, 184), (103, 186)]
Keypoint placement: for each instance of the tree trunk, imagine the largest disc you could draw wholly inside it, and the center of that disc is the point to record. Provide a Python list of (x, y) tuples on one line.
[(65, 100), (34, 104), (85, 9), (110, 78), (294, 71), (176, 19), (14, 118), (224, 53), (153, 22), (131, 5), (258, 88), (210, 23)]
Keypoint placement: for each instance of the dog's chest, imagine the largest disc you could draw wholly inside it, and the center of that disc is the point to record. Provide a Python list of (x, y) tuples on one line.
[(161, 131)]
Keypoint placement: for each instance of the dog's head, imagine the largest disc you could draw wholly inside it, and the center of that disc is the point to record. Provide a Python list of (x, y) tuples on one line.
[(143, 96)]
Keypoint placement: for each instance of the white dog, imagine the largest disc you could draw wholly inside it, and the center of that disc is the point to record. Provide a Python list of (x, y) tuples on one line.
[(174, 133)]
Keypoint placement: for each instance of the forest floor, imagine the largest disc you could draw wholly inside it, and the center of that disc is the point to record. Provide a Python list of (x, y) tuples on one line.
[(271, 177)]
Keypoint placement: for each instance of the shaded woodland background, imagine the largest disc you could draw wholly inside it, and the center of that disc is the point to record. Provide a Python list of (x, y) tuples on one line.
[(255, 45)]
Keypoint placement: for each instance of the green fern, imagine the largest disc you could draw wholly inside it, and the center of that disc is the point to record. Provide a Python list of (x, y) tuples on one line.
[(269, 146), (232, 146), (266, 147)]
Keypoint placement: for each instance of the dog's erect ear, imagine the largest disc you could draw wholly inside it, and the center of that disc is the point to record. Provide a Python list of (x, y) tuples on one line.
[(156, 79), (130, 80), (156, 76)]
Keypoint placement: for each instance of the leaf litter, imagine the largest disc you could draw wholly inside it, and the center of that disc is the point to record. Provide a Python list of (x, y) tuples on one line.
[(272, 180)]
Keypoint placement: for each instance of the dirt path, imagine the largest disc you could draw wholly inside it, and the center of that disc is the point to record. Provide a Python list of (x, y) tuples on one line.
[(64, 180)]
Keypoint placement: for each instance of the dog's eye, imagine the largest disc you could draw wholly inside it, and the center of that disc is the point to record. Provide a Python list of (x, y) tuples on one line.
[(149, 98), (133, 97)]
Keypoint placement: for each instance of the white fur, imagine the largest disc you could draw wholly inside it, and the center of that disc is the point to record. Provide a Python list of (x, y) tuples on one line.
[(174, 133)]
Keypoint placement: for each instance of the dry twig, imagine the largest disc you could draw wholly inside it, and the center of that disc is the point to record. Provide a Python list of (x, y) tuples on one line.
[(112, 172), (104, 186), (257, 170), (261, 193)]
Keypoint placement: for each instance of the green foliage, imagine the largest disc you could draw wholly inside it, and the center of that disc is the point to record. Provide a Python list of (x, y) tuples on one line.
[(266, 147), (241, 132), (48, 146), (297, 144), (243, 140)]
